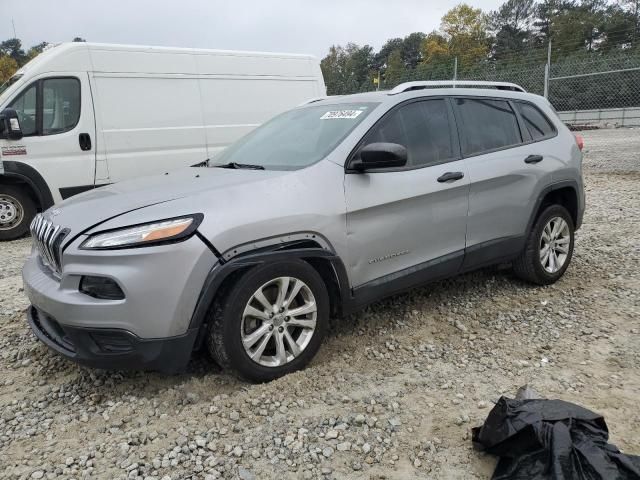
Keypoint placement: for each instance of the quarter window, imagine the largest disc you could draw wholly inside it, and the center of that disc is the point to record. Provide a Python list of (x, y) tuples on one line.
[(422, 127), (61, 105), (537, 123), (25, 107), (488, 125)]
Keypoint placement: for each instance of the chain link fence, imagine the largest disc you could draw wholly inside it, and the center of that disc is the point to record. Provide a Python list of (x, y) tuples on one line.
[(597, 94)]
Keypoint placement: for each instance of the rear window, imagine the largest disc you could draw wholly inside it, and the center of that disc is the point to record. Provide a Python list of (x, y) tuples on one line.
[(487, 125), (538, 125)]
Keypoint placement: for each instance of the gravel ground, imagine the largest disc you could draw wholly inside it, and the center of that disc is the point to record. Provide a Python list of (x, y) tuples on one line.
[(392, 394)]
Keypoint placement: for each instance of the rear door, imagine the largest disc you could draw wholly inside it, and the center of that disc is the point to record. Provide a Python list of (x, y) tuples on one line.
[(505, 182), (403, 222), (56, 118)]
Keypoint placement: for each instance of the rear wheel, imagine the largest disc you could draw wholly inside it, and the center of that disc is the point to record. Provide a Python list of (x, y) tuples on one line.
[(549, 248), (17, 210), (271, 321)]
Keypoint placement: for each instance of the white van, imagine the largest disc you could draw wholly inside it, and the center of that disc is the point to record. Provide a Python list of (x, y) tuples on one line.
[(81, 115)]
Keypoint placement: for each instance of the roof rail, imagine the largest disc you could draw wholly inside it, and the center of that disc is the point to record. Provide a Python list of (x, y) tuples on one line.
[(408, 86)]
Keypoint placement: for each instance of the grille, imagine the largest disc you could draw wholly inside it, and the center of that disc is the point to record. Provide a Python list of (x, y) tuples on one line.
[(47, 238)]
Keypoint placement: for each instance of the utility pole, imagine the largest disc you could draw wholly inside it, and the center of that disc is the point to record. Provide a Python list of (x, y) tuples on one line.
[(455, 71), (547, 71), (14, 28)]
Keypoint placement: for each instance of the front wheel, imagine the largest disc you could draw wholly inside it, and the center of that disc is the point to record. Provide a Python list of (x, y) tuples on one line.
[(271, 321), (16, 212), (549, 247)]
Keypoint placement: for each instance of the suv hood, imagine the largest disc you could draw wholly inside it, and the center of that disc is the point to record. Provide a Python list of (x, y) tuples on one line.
[(89, 209)]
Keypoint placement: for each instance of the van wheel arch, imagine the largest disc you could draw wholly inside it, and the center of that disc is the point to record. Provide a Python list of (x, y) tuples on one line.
[(30, 180)]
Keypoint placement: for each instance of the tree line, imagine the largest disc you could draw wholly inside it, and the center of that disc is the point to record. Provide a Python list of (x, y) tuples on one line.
[(13, 55), (510, 39)]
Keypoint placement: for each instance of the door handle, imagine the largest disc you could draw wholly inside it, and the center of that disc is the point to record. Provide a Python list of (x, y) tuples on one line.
[(450, 177), (85, 142), (533, 159)]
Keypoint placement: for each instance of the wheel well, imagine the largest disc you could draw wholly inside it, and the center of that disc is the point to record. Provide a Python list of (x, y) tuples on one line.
[(26, 186), (321, 265), (325, 269), (565, 196)]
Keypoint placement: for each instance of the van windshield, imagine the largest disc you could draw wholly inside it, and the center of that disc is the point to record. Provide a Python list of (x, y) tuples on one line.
[(9, 82), (297, 138)]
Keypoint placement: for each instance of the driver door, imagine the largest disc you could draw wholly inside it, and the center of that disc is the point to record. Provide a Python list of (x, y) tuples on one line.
[(407, 225), (57, 122)]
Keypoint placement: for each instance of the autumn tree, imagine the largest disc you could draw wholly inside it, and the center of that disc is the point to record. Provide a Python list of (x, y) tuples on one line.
[(8, 67)]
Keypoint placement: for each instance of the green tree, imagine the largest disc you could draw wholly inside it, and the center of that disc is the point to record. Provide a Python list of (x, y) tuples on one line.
[(36, 50), (380, 58), (348, 69), (13, 48), (395, 71), (411, 49), (512, 24), (633, 8)]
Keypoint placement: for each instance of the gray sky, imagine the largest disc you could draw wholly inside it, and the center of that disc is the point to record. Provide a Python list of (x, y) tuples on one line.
[(296, 26)]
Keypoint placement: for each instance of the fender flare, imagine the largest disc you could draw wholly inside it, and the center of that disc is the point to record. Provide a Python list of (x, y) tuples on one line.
[(222, 270), (550, 188), (29, 175)]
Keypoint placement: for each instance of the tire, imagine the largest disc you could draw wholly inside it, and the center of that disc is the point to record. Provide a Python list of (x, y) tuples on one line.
[(230, 323), (529, 265), (17, 209)]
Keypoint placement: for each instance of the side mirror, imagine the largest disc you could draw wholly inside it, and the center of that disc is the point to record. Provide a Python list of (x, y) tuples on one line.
[(10, 125), (380, 155)]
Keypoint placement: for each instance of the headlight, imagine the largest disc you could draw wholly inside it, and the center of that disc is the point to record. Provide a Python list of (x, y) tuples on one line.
[(146, 234)]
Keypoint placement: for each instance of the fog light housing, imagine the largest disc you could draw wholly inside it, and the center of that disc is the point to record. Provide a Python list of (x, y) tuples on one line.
[(102, 288)]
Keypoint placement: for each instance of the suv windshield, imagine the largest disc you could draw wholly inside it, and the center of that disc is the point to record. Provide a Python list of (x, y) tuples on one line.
[(297, 138)]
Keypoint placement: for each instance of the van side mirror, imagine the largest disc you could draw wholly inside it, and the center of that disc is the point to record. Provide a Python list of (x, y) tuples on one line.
[(10, 125), (380, 155)]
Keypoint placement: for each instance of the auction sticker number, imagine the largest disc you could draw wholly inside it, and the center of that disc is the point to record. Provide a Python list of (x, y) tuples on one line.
[(338, 114)]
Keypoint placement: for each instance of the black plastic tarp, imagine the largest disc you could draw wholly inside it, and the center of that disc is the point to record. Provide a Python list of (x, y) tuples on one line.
[(551, 439)]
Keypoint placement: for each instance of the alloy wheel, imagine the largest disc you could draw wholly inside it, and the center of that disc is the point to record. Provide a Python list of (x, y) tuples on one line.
[(554, 244), (278, 321)]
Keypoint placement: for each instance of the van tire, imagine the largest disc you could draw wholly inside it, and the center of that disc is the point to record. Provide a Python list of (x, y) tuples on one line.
[(528, 265), (224, 338), (15, 202)]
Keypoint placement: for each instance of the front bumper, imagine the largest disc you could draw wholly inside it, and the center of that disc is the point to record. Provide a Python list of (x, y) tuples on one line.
[(148, 329), (112, 348)]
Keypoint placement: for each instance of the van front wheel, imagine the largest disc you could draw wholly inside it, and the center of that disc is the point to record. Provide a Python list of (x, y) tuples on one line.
[(17, 210)]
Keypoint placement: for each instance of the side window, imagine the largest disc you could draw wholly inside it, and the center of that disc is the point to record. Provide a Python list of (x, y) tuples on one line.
[(25, 106), (422, 127), (488, 125), (537, 123), (60, 105)]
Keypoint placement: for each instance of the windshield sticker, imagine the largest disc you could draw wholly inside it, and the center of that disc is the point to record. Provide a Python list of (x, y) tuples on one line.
[(14, 150), (339, 114)]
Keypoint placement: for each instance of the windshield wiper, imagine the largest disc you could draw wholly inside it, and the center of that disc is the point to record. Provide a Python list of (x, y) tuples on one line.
[(204, 163), (241, 166)]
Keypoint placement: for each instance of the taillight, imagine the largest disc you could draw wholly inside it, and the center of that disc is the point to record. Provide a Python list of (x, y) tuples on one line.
[(579, 141)]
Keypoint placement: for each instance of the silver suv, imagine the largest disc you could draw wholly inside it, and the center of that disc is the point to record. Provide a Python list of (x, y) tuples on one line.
[(320, 211)]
